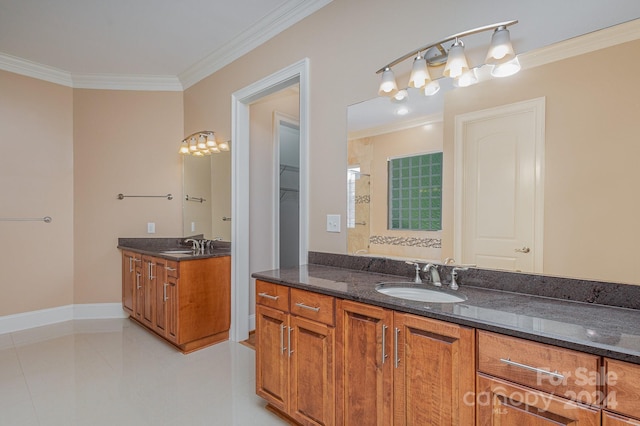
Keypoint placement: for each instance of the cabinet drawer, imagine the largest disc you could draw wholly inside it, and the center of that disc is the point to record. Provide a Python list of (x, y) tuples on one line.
[(623, 387), (563, 372), (314, 306), (272, 295), (172, 269)]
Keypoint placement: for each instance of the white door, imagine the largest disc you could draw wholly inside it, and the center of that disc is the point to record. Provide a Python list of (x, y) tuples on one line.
[(499, 163)]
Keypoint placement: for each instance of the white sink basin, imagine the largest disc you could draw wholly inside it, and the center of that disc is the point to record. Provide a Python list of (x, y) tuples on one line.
[(177, 252), (419, 294)]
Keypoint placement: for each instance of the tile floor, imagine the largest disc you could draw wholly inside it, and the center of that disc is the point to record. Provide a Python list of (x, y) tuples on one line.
[(113, 372)]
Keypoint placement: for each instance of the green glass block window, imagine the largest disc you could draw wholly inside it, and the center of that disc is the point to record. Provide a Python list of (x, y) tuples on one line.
[(415, 192)]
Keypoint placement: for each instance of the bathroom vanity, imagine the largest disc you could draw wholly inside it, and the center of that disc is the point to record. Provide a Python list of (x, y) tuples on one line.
[(331, 349), (185, 298)]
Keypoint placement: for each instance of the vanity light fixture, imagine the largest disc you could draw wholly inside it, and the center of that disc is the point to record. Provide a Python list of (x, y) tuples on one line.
[(202, 143), (501, 57)]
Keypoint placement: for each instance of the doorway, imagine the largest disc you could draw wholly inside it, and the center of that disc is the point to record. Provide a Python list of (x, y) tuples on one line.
[(245, 203), (499, 163)]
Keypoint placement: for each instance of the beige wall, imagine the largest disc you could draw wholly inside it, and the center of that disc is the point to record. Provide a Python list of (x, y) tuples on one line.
[(591, 156), (36, 180), (124, 142)]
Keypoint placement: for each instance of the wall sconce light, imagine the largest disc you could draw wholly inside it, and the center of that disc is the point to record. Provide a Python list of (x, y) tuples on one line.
[(501, 57), (202, 143)]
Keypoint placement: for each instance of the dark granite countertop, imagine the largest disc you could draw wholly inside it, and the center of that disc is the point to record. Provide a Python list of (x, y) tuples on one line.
[(608, 331), (159, 247)]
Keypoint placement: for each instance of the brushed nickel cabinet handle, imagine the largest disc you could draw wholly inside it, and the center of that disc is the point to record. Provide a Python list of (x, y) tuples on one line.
[(138, 280), (164, 289), (384, 343), (268, 296), (282, 347), (289, 341), (534, 369), (131, 264), (171, 269), (395, 347), (311, 308)]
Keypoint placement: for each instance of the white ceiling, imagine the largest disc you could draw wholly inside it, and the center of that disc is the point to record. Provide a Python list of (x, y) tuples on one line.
[(175, 43), (92, 39)]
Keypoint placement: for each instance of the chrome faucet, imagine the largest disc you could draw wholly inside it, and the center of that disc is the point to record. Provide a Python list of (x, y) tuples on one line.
[(435, 276), (417, 279), (454, 277), (195, 245)]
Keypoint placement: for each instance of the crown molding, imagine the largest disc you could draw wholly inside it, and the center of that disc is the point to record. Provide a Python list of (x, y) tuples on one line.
[(160, 83), (274, 23), (35, 70), (590, 42)]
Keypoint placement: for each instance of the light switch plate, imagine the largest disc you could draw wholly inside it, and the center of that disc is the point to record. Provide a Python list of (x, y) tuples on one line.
[(333, 223), (151, 228)]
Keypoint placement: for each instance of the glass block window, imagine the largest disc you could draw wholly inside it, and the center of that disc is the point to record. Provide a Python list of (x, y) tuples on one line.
[(415, 192)]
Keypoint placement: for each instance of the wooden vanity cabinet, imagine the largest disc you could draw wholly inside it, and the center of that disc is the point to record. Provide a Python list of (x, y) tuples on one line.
[(402, 369), (295, 337), (130, 266), (187, 303)]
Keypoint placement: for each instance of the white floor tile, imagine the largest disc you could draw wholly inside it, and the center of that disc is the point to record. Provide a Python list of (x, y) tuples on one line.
[(113, 372)]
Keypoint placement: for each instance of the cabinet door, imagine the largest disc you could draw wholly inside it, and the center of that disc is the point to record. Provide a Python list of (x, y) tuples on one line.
[(160, 303), (435, 374), (364, 363), (171, 306), (504, 403), (272, 356), (129, 260), (312, 372), (149, 284)]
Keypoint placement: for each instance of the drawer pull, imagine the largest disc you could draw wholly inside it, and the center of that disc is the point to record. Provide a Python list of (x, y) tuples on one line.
[(311, 308), (268, 296), (534, 369), (171, 269)]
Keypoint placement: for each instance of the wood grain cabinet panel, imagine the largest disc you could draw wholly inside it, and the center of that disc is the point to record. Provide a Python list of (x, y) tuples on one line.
[(187, 303), (610, 419), (364, 359), (622, 386), (504, 403), (295, 356), (563, 372)]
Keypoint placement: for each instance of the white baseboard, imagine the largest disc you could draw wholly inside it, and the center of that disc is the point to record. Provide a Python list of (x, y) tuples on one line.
[(26, 320)]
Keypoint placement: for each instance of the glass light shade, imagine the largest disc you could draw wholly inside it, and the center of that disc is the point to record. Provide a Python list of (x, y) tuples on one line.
[(184, 147), (193, 145), (214, 149), (508, 68), (419, 73), (388, 86), (211, 140), (457, 62), (223, 146), (466, 79), (432, 88), (501, 49), (400, 97), (197, 154), (202, 142)]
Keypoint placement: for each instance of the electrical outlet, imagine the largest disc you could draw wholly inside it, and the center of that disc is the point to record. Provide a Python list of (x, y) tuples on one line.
[(193, 226), (151, 228), (333, 223)]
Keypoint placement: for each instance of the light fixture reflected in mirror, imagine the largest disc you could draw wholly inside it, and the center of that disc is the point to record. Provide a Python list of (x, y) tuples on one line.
[(500, 56), (202, 143)]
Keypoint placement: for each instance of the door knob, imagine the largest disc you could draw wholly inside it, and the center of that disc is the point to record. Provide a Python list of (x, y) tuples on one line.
[(524, 249)]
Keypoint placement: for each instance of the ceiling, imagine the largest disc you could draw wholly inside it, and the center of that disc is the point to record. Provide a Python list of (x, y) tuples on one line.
[(173, 44), (185, 40)]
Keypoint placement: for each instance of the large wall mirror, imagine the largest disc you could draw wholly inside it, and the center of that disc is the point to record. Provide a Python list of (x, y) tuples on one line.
[(206, 205), (588, 171)]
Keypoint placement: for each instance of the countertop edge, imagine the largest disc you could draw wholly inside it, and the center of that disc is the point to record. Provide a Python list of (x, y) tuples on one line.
[(593, 348), (177, 257)]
